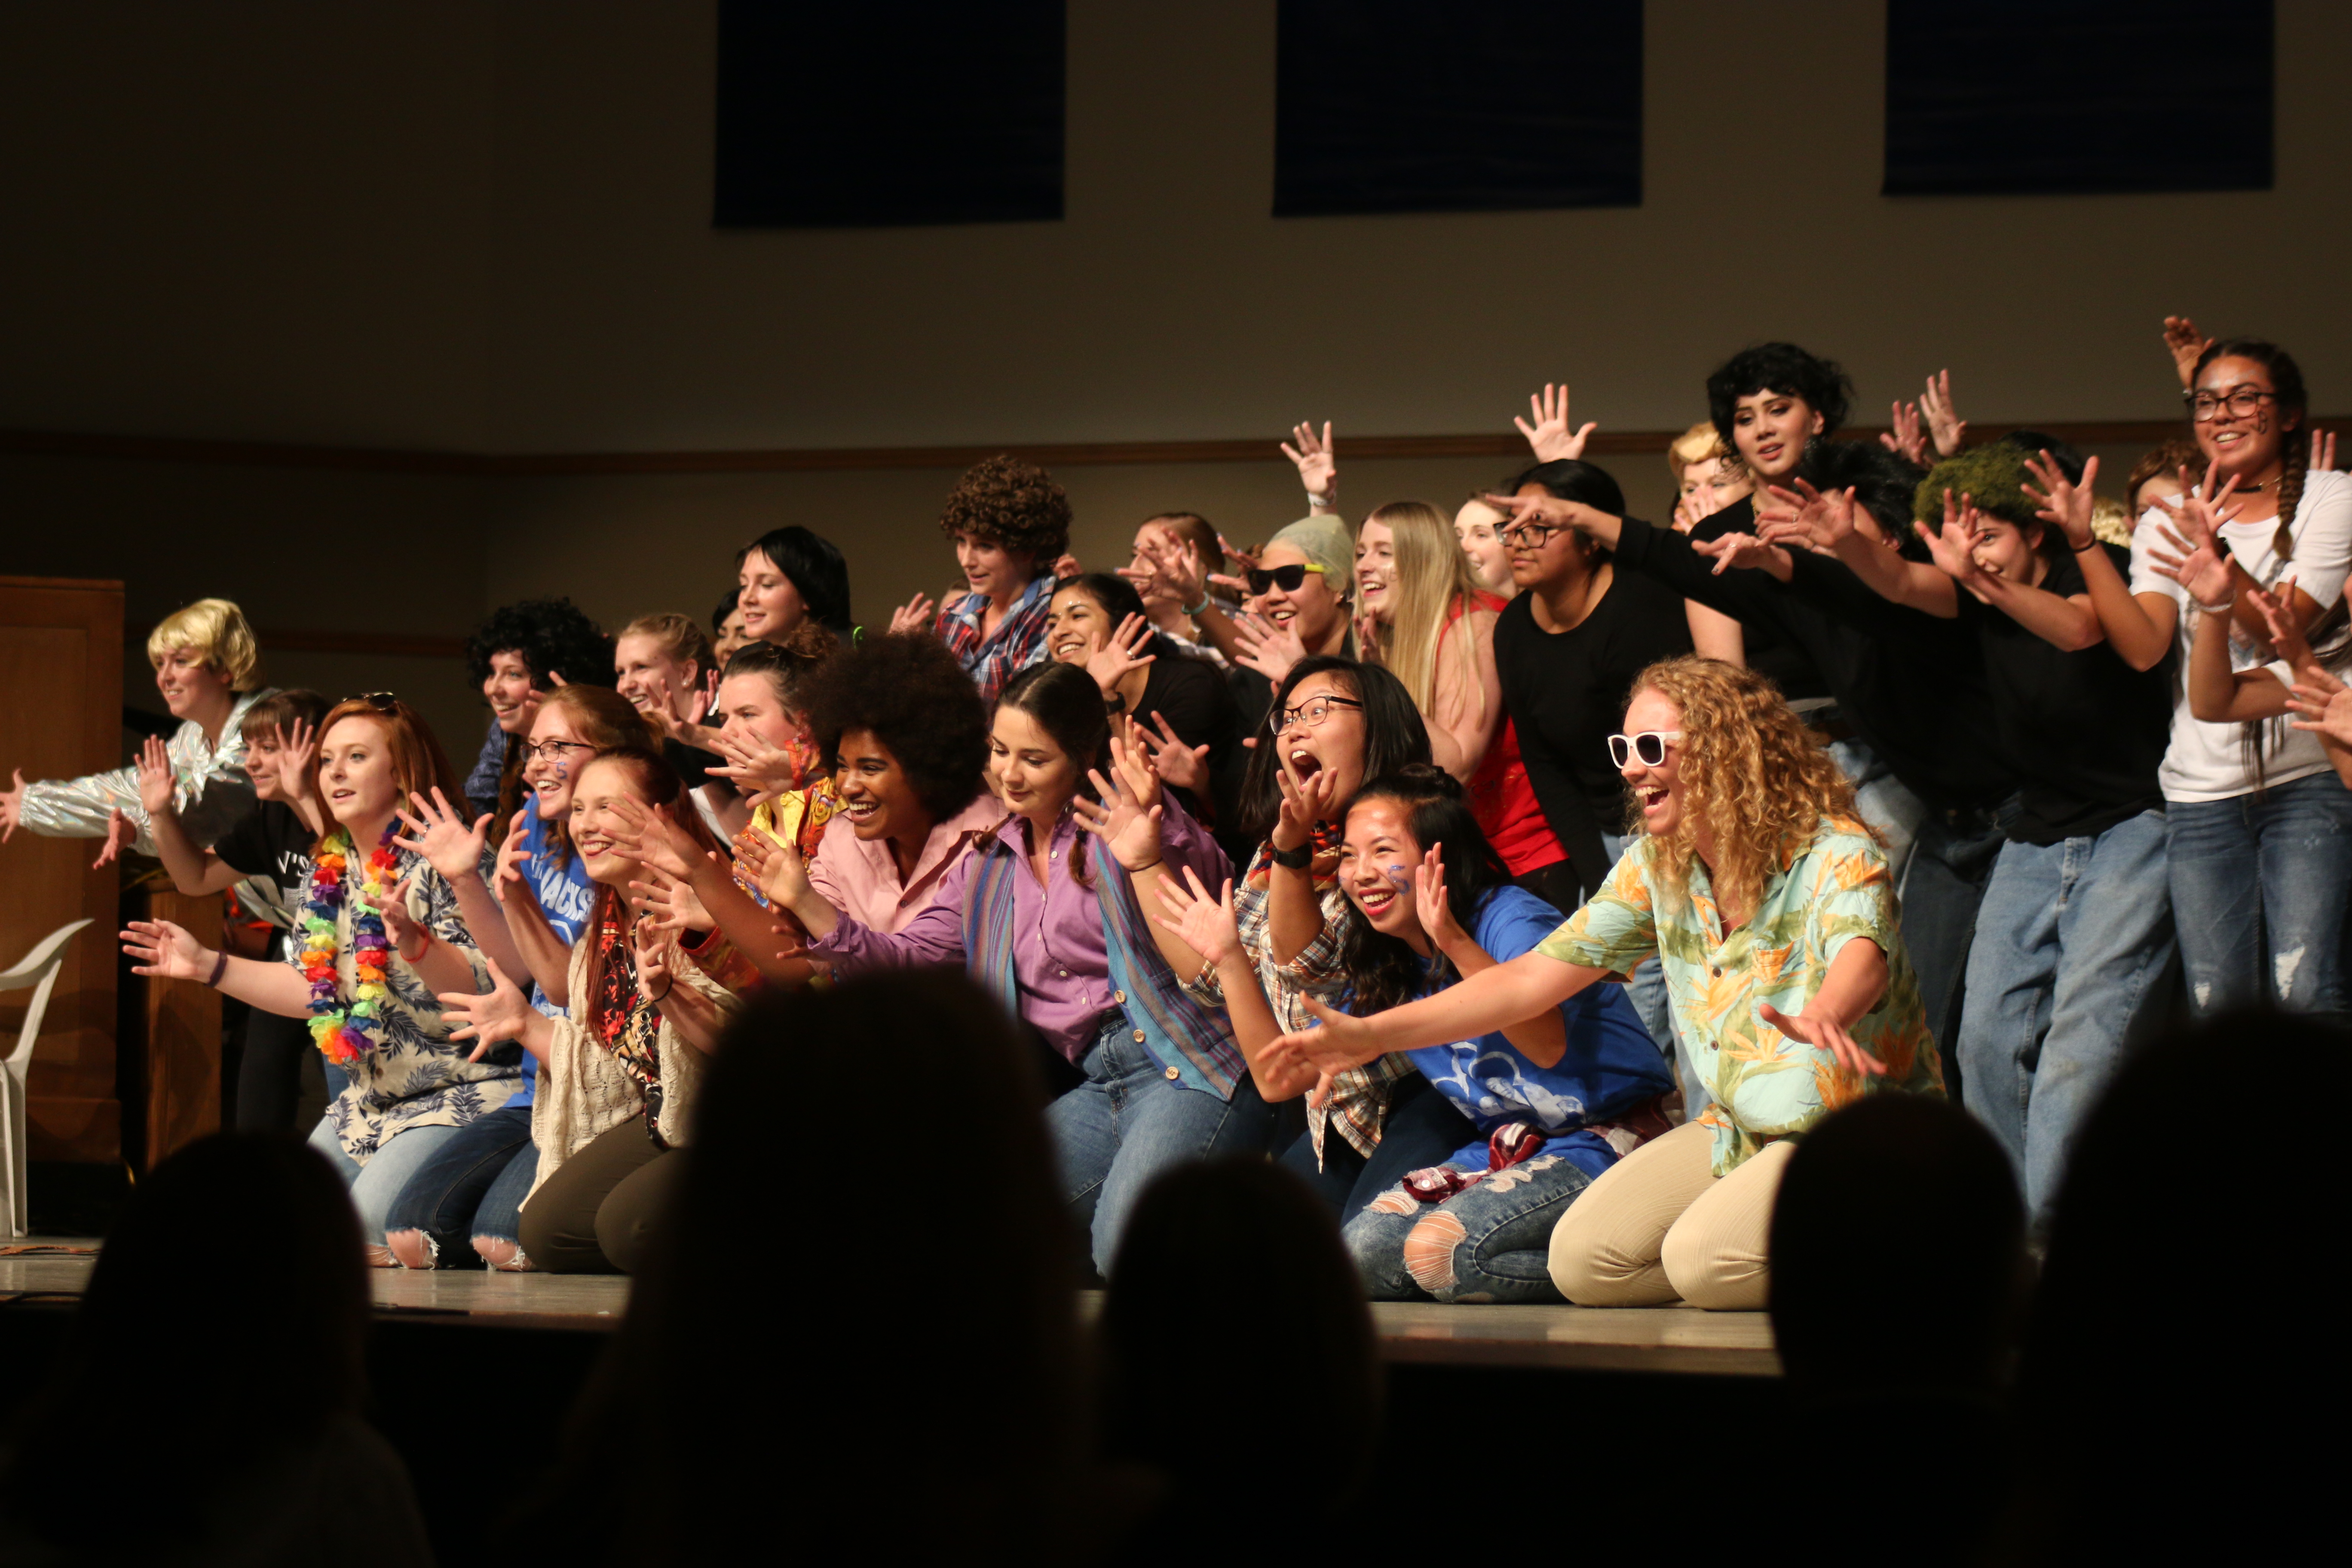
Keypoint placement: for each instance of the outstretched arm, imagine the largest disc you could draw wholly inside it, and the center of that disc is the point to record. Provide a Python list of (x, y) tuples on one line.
[(1485, 1002)]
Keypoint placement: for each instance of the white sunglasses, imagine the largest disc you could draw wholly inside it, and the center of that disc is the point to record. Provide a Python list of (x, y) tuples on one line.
[(1650, 746)]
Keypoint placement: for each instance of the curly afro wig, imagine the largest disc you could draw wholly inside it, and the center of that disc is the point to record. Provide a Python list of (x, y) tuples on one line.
[(554, 638), (1993, 475), (911, 694), (1783, 368), (1882, 482), (1005, 501)]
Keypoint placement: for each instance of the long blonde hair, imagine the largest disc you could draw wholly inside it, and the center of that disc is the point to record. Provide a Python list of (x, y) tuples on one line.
[(1759, 780), (1432, 576)]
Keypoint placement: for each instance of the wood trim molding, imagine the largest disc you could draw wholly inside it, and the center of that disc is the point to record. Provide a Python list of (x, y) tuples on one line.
[(811, 459)]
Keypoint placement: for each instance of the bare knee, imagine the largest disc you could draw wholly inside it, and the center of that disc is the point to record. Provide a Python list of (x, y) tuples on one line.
[(1428, 1250), (413, 1249), (379, 1256), (508, 1257)]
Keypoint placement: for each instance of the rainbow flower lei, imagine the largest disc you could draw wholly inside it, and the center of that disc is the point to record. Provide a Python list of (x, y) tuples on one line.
[(343, 1034)]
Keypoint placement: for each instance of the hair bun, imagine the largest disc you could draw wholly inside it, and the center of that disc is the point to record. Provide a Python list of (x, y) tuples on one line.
[(1431, 779)]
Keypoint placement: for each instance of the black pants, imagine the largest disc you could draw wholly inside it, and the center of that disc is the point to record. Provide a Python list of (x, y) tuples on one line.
[(596, 1214), (269, 1076)]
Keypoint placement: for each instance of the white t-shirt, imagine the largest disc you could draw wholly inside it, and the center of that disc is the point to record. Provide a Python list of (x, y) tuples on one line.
[(2205, 761)]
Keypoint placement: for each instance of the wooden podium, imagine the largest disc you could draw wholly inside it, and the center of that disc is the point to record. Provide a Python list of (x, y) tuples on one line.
[(61, 717)]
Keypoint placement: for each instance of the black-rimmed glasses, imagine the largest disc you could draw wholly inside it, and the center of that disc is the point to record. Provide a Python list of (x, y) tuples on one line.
[(1309, 714), (2241, 402), (552, 751)]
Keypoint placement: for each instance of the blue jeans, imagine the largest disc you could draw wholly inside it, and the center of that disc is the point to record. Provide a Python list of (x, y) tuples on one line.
[(2259, 882), (473, 1187), (2071, 942), (1884, 801), (1422, 1128), (1129, 1122), (1647, 992), (377, 1185), (1489, 1242)]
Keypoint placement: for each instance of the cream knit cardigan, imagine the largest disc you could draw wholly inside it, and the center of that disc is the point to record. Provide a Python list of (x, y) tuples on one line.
[(584, 1092)]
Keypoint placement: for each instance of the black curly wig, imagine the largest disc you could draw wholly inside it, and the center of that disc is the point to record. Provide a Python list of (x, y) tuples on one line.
[(1883, 483), (1005, 501), (554, 638), (911, 694), (1777, 367)]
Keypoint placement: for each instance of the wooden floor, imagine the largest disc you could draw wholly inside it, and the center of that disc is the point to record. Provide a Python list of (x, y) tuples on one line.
[(1654, 1339)]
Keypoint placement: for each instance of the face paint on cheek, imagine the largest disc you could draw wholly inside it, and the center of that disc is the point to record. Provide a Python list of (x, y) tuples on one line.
[(1399, 874)]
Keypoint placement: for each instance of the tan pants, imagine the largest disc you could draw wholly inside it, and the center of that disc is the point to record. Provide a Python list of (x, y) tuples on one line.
[(1658, 1224)]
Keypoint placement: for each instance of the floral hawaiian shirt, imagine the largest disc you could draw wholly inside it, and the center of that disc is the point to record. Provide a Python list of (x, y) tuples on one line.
[(1834, 887)]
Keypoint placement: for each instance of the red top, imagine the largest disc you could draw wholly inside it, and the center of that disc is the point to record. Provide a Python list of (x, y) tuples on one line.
[(1501, 798)]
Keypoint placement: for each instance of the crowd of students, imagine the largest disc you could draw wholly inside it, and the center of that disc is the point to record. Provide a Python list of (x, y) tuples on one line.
[(1527, 877)]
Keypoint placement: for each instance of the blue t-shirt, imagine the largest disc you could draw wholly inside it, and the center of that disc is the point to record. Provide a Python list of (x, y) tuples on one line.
[(567, 897), (1611, 1064)]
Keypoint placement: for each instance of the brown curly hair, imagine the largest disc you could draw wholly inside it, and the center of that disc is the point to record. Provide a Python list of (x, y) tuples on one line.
[(1015, 505), (1751, 771)]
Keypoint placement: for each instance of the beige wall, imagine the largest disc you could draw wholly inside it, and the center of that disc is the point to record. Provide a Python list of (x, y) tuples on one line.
[(485, 228)]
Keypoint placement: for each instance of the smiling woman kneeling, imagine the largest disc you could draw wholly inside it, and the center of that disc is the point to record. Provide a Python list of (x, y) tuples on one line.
[(1768, 904)]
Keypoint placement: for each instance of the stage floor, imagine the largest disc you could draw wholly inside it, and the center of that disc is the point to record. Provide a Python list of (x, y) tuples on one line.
[(1655, 1339)]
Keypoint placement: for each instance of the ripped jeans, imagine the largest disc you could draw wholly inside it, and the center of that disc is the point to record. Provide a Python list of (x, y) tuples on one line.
[(2260, 884), (471, 1190), (1491, 1241)]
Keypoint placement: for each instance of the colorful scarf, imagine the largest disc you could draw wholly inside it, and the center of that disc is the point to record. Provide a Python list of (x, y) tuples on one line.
[(344, 1033)]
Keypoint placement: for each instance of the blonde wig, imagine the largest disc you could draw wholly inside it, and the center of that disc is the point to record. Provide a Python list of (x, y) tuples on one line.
[(217, 629), (1433, 577), (1752, 772)]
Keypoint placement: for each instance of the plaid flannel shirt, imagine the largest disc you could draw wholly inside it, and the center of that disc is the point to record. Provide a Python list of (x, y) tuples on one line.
[(1018, 642), (1359, 1106)]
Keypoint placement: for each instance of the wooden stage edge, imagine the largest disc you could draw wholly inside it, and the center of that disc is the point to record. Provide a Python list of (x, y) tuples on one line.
[(38, 1272)]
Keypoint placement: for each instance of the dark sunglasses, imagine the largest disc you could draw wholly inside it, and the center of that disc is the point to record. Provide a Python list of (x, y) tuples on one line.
[(1289, 579), (381, 701)]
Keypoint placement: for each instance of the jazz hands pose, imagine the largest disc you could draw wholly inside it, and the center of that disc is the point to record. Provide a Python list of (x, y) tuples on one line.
[(1768, 907)]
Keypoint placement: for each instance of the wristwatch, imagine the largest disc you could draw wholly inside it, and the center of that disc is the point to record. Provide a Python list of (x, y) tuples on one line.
[(1296, 859)]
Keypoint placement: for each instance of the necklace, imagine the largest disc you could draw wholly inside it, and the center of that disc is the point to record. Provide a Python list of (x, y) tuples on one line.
[(344, 1033)]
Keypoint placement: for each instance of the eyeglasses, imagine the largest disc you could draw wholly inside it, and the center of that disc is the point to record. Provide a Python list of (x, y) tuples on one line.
[(2242, 401), (381, 701), (1650, 746), (1309, 714), (1289, 579), (1532, 534), (552, 751)]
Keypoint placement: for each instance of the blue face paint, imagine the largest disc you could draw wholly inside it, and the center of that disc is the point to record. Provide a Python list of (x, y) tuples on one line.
[(1399, 874)]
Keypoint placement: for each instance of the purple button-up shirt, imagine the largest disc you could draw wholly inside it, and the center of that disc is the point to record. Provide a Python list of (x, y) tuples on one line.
[(1058, 959)]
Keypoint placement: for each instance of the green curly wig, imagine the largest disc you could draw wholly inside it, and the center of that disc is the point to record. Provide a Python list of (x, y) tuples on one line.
[(1992, 473)]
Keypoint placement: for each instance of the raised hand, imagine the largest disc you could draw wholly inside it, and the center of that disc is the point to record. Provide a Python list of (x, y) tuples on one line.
[(162, 951), (1318, 465), (2060, 502), (1266, 648), (1181, 767), (510, 873), (655, 948), (2287, 637), (1247, 554), (120, 833), (1743, 550), (1824, 1034), (441, 836), (1806, 517), (1550, 437), (1304, 803), (1697, 507), (759, 771), (914, 616), (1430, 902), (1953, 547), (651, 837), (2186, 344), (1205, 923), (297, 759), (2322, 704), (400, 927), (670, 904), (1067, 565), (1367, 636), (1117, 658), (782, 874), (497, 1014), (1907, 440), (1337, 1043), (11, 805), (2322, 450), (1128, 816), (1945, 426), (155, 783), (2196, 558)]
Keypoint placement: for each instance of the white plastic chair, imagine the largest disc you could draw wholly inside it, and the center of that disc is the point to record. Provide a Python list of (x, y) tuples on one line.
[(39, 971)]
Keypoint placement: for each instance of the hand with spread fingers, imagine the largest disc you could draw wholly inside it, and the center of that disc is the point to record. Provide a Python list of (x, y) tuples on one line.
[(914, 615), (159, 950), (1742, 549), (1906, 439), (500, 1013), (1304, 803), (1953, 547), (1807, 519), (2186, 344), (2059, 500), (1268, 648), (1319, 463), (2323, 705), (1120, 655), (1128, 815), (1549, 437), (1203, 922), (1946, 429), (1826, 1034), (439, 834), (2193, 553), (1179, 765)]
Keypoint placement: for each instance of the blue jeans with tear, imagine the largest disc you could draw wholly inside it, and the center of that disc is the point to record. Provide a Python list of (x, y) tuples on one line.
[(1491, 1241), (2259, 882), (2071, 941), (377, 1185), (472, 1187), (1129, 1122)]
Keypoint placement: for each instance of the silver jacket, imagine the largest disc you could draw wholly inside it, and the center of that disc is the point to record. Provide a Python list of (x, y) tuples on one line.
[(210, 789)]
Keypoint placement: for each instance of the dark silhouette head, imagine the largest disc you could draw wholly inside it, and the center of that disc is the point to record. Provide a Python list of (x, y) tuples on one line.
[(1898, 1253)]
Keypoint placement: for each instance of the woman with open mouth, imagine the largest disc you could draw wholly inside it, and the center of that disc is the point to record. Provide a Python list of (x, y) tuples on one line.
[(1768, 904), (1551, 1101), (619, 1069), (471, 1193), (1042, 913), (1334, 723), (383, 946)]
